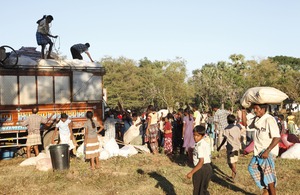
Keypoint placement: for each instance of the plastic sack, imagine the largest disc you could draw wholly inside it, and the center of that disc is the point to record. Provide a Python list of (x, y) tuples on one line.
[(33, 160), (162, 113), (44, 164), (262, 95), (132, 132), (292, 153), (127, 150), (80, 151), (104, 155), (112, 147), (143, 148), (25, 60)]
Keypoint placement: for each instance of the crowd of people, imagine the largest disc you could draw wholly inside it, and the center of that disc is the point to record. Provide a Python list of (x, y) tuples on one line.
[(187, 132), (184, 132)]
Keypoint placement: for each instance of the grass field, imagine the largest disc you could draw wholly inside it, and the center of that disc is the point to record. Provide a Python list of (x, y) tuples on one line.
[(140, 174)]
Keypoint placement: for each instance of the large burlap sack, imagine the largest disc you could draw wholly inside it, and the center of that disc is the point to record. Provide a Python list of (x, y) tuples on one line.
[(262, 95)]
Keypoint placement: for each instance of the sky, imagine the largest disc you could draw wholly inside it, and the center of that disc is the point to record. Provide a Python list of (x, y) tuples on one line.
[(197, 31)]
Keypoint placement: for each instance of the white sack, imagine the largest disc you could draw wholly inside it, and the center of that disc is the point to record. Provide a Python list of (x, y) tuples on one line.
[(44, 164), (25, 60), (162, 113), (132, 132), (112, 147), (68, 63), (104, 155), (80, 151), (127, 150), (262, 95), (292, 153), (143, 148), (33, 160)]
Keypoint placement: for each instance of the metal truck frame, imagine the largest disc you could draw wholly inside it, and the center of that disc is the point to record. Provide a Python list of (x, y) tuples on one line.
[(53, 89)]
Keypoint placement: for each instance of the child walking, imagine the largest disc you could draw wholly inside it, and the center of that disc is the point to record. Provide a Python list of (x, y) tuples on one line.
[(232, 135), (202, 172), (168, 147), (65, 132), (91, 142)]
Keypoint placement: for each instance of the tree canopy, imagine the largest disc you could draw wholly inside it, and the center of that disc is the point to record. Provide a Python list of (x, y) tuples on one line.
[(165, 84)]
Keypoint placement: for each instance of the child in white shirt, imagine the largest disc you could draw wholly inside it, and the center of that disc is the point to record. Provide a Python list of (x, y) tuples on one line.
[(202, 172)]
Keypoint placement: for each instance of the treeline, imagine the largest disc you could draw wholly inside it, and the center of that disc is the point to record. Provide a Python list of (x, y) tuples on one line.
[(166, 84)]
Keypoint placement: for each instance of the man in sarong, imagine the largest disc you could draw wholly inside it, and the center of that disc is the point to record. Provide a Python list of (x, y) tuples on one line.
[(266, 139)]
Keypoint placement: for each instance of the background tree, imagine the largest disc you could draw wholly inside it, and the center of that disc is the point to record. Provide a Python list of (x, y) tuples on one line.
[(122, 82)]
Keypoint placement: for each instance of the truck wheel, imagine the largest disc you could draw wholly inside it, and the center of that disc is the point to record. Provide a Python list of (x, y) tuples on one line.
[(47, 138)]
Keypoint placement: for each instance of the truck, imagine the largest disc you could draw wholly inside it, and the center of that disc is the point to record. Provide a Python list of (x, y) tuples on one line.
[(57, 89)]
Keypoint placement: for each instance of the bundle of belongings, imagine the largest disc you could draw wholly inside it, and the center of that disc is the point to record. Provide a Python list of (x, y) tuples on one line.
[(262, 95), (289, 144)]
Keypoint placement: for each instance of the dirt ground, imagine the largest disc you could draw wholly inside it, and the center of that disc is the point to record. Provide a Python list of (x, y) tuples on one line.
[(139, 174)]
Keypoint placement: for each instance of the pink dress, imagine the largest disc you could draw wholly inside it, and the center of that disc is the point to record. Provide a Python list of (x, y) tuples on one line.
[(188, 140)]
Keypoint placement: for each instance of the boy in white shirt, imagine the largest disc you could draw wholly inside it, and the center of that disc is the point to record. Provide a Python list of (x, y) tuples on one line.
[(202, 172)]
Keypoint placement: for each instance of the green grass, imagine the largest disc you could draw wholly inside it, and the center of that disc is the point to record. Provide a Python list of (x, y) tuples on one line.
[(140, 174)]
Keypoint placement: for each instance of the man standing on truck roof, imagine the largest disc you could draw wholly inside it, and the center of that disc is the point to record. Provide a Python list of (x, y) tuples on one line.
[(78, 49), (33, 123), (43, 34)]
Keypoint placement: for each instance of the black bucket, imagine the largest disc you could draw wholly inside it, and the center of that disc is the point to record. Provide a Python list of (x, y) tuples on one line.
[(60, 157)]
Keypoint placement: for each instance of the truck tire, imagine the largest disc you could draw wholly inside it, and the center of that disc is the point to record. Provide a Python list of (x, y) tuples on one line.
[(47, 138)]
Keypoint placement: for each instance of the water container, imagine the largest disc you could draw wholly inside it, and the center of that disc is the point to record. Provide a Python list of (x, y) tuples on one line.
[(7, 153), (60, 157)]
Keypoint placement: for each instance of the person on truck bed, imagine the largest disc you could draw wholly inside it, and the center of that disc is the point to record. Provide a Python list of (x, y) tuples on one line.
[(78, 49), (33, 123), (43, 34)]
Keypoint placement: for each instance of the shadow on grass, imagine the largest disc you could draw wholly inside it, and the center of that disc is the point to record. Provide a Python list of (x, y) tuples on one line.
[(219, 177), (180, 159), (162, 182)]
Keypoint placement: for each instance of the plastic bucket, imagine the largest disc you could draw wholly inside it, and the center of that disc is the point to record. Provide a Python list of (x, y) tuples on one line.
[(60, 157)]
